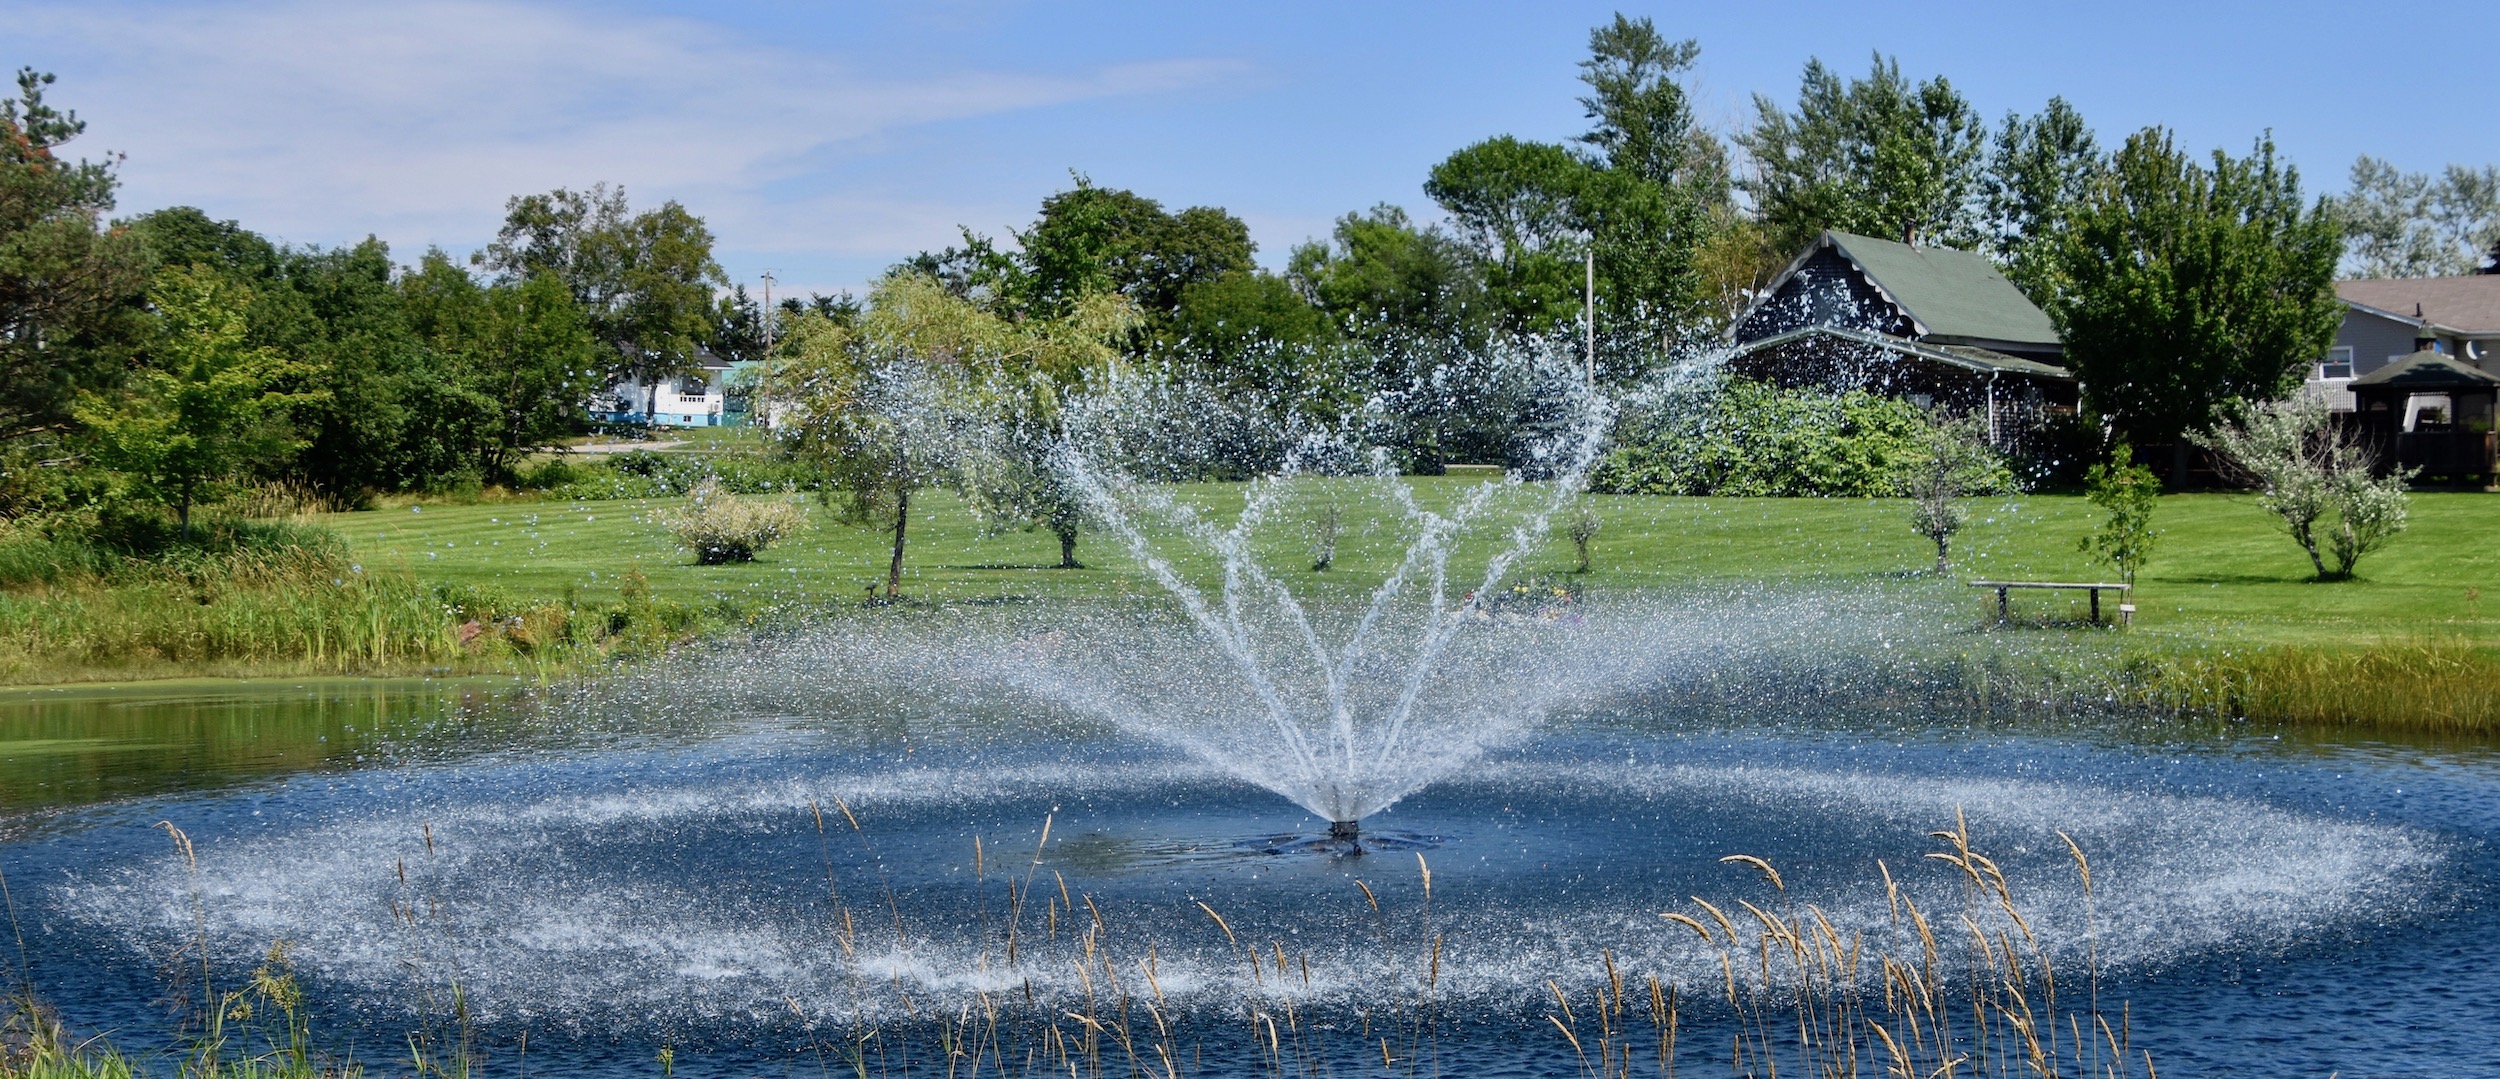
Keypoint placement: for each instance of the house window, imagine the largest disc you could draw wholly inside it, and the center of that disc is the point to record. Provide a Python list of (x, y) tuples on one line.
[(2338, 364)]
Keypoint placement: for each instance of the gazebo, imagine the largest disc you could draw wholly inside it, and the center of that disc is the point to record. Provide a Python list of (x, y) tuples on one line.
[(2434, 412)]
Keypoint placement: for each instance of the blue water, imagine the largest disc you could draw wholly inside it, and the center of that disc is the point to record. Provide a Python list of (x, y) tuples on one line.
[(2264, 908)]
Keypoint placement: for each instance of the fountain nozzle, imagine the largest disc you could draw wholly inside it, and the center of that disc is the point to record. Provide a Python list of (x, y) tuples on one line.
[(1345, 831)]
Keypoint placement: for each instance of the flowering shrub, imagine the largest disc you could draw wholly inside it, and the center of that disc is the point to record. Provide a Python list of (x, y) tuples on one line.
[(721, 528)]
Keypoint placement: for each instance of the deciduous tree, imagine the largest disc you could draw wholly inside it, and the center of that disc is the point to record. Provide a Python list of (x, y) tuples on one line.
[(2184, 288), (2039, 169), (2311, 473), (203, 406), (1880, 156), (645, 281), (2411, 224)]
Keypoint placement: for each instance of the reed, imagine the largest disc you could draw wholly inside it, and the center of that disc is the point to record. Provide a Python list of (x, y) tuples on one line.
[(2432, 685)]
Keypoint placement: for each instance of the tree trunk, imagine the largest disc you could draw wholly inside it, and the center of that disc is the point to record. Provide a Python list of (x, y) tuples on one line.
[(1944, 553), (2309, 543), (2179, 464), (1067, 550), (902, 521), (182, 510)]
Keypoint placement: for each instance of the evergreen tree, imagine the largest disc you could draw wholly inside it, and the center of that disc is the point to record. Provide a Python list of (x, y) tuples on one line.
[(68, 285)]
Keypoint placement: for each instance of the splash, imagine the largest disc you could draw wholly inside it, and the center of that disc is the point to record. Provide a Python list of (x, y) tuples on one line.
[(1345, 704)]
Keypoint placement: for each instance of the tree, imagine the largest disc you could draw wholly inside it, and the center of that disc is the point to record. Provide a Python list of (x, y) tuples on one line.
[(1517, 208), (931, 390), (1878, 156), (2306, 470), (1380, 275), (1251, 333), (1090, 240), (2038, 171), (645, 281), (520, 355), (1663, 175), (2410, 224), (1636, 200), (1957, 462), (2185, 288), (203, 406), (2128, 493), (68, 285)]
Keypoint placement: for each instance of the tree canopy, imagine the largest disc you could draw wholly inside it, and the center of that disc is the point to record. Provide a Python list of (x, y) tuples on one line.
[(1879, 156), (645, 280), (2185, 287), (68, 285)]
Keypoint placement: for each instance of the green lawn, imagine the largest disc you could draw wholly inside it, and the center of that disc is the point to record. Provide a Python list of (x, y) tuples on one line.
[(2222, 573)]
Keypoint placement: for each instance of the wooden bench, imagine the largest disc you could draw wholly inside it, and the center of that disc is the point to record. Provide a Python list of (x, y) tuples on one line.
[(2126, 611)]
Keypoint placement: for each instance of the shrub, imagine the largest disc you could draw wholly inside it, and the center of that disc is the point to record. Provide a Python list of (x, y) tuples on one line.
[(1741, 437), (2312, 474), (721, 528)]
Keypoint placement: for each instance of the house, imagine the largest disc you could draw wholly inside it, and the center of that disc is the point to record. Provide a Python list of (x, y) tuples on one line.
[(2388, 319), (1934, 326), (711, 398)]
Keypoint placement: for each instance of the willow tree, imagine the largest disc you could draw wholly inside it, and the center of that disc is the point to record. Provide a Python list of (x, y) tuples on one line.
[(931, 390)]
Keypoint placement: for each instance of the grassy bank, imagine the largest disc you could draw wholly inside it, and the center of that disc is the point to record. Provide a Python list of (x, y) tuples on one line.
[(2228, 620), (262, 598)]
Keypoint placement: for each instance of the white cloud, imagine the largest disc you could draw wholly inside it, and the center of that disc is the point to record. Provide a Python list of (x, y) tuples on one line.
[(319, 122)]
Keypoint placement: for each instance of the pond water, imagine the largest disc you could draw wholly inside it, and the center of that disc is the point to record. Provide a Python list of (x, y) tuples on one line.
[(752, 863)]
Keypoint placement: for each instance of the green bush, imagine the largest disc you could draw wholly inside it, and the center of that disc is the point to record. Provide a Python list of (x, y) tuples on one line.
[(1741, 437), (649, 474)]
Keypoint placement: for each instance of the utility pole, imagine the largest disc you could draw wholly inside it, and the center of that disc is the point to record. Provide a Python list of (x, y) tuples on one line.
[(763, 386), (768, 313)]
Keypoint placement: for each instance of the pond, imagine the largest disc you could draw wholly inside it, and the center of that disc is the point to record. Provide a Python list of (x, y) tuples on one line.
[(772, 860)]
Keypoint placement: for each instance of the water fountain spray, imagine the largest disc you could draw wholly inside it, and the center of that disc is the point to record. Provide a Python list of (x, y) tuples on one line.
[(1344, 721)]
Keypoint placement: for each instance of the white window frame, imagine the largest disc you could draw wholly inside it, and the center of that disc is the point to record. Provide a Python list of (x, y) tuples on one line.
[(2339, 356)]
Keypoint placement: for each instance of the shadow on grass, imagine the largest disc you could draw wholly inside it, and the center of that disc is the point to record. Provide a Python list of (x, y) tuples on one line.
[(1013, 565)]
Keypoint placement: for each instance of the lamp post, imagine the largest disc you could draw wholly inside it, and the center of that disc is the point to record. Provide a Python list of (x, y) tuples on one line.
[(1588, 308)]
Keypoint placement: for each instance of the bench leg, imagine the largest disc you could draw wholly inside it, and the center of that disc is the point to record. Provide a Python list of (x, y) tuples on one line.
[(2096, 606)]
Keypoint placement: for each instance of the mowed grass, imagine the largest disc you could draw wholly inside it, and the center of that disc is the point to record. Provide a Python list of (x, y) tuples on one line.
[(2222, 574)]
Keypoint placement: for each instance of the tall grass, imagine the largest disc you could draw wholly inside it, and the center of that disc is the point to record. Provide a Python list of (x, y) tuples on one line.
[(2434, 686), (284, 597)]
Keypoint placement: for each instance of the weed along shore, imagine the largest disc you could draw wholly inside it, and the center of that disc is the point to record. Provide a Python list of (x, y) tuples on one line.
[(543, 587)]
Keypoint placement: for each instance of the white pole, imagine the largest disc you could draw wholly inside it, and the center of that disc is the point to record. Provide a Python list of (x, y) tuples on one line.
[(1588, 309)]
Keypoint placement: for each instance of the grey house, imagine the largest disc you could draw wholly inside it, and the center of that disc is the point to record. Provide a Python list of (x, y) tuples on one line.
[(2387, 319), (1935, 326), (2416, 364)]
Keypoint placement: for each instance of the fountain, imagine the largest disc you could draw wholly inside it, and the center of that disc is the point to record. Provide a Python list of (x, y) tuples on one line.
[(1342, 709), (877, 833)]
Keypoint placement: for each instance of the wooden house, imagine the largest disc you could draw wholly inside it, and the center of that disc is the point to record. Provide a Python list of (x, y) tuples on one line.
[(1935, 326)]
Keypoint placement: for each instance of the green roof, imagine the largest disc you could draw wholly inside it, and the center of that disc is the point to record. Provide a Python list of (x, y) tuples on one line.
[(1953, 295), (1962, 356), (2427, 370)]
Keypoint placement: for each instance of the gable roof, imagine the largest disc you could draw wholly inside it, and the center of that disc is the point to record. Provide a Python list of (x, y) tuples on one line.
[(2427, 371), (1948, 294), (1984, 361), (2461, 304)]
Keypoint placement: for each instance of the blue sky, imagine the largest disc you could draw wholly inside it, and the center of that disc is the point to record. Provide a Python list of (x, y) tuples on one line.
[(825, 141)]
